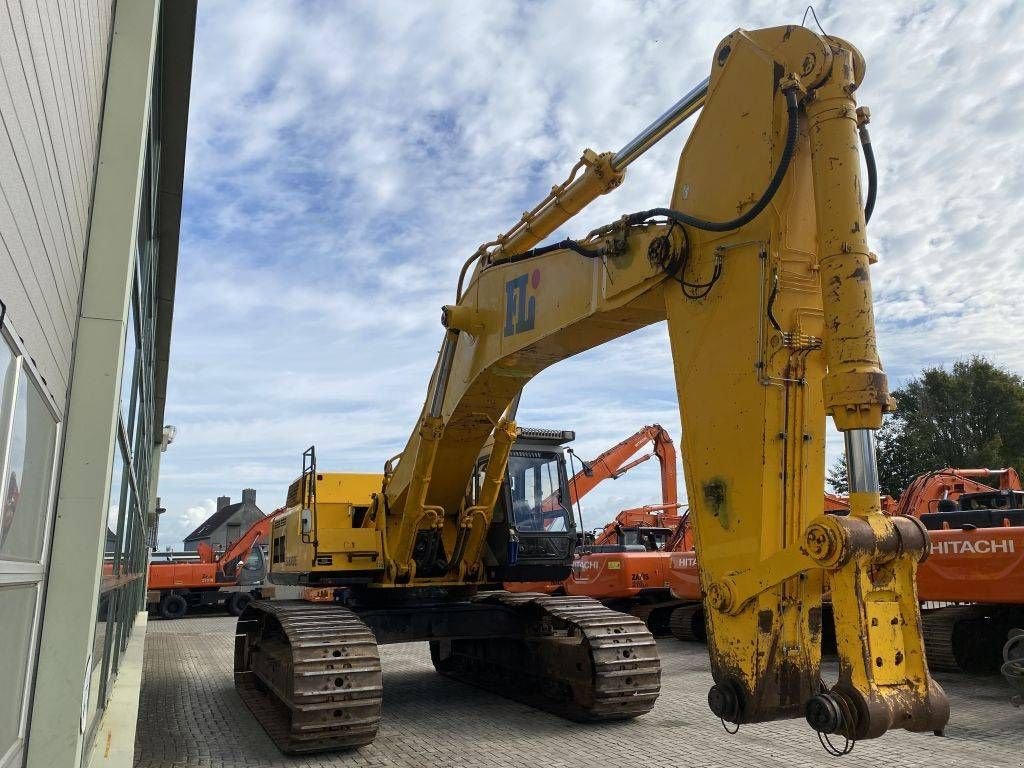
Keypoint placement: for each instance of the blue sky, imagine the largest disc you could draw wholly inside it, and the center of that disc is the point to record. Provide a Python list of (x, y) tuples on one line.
[(345, 158)]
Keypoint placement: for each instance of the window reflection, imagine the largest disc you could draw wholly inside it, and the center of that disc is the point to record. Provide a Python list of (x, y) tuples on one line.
[(537, 499), (17, 606), (28, 474)]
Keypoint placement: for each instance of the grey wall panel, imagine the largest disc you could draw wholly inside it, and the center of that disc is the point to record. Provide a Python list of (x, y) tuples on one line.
[(53, 60)]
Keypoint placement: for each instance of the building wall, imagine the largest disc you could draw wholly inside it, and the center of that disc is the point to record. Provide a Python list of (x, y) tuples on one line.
[(93, 107), (53, 63), (232, 530)]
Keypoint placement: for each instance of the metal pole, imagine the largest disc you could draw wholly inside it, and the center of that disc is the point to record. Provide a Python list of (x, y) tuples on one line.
[(657, 130)]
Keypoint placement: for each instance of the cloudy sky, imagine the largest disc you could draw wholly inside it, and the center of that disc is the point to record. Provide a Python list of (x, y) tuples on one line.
[(344, 159)]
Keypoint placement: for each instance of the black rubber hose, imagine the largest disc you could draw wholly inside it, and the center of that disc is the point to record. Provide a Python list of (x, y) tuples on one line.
[(792, 110), (562, 245), (869, 159)]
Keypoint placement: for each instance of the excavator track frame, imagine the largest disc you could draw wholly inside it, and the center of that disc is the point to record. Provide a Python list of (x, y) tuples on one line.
[(590, 663)]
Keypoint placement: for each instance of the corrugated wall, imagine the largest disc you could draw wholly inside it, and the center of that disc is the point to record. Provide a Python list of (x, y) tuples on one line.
[(53, 61)]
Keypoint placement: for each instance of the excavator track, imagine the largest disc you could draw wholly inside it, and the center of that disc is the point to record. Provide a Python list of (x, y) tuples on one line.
[(687, 623), (310, 674), (576, 659)]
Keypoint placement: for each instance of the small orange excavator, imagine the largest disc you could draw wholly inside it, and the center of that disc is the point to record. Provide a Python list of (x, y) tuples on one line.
[(975, 520), (230, 578)]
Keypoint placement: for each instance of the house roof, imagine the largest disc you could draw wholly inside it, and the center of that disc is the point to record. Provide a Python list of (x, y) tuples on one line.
[(214, 521)]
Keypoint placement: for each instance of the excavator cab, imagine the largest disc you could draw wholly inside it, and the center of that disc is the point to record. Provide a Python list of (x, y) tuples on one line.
[(651, 538), (533, 533), (253, 569)]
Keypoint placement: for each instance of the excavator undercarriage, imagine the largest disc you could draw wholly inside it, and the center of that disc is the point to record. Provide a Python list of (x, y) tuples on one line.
[(311, 674)]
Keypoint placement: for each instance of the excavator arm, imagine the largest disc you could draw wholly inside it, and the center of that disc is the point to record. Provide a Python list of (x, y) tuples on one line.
[(614, 462), (760, 267)]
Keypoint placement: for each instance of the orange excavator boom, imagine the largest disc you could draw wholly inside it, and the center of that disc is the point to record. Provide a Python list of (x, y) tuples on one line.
[(615, 462)]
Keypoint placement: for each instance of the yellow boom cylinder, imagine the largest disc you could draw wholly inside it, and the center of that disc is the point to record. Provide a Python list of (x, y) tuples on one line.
[(855, 387)]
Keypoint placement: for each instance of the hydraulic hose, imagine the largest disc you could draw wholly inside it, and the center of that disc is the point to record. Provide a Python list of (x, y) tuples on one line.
[(869, 159), (792, 111)]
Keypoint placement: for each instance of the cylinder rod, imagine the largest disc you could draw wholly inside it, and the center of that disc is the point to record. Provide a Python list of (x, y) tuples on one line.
[(861, 461), (444, 371), (657, 130)]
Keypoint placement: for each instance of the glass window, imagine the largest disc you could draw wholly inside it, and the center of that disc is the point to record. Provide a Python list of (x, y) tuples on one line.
[(536, 488), (99, 644), (28, 474), (128, 370), (113, 515), (17, 607)]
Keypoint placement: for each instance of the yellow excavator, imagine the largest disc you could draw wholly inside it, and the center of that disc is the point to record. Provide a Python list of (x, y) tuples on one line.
[(760, 267)]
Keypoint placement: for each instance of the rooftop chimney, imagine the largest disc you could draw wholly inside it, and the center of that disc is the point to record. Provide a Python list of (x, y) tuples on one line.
[(222, 501), (249, 496)]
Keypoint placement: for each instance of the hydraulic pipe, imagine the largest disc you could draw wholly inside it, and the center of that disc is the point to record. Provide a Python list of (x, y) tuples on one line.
[(602, 173), (660, 128)]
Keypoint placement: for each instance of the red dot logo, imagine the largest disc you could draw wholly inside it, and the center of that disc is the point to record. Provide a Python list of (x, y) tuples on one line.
[(535, 279)]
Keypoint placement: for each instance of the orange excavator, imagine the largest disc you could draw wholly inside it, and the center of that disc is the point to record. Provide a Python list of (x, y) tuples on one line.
[(627, 566), (975, 520), (230, 578)]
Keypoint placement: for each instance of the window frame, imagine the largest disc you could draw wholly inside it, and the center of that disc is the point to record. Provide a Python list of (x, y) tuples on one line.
[(24, 572)]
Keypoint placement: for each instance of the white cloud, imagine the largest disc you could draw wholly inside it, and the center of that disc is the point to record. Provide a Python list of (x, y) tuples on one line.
[(176, 525), (344, 159)]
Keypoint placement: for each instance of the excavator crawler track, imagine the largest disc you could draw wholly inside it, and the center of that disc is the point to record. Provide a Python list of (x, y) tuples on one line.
[(687, 623), (576, 658), (941, 636), (310, 674)]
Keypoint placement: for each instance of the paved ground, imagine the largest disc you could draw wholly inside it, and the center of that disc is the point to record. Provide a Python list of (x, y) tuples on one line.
[(190, 715)]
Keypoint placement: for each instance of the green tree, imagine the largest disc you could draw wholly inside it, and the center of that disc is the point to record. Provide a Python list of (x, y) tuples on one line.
[(971, 416)]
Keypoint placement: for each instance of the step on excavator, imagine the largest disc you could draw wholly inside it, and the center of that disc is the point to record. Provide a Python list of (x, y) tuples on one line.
[(760, 267)]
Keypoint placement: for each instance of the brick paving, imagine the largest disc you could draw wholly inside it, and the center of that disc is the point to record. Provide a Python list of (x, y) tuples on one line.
[(190, 715)]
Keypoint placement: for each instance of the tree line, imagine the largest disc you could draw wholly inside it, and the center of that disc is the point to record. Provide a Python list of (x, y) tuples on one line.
[(970, 416)]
